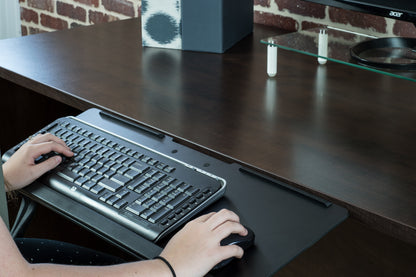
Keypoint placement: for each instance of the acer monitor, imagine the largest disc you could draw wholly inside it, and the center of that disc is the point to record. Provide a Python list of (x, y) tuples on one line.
[(393, 53)]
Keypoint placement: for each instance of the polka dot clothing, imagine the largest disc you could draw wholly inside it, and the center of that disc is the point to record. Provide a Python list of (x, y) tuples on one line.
[(50, 251)]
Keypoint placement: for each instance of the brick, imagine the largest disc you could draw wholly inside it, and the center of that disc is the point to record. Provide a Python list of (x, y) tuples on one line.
[(45, 5), (24, 30), (99, 17), (33, 31), (279, 21), (119, 6), (70, 11), (358, 19), (53, 22), (302, 8), (94, 3), (29, 15), (263, 3), (305, 25), (404, 29)]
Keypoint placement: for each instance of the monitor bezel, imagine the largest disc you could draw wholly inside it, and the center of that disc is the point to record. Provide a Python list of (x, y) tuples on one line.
[(363, 6)]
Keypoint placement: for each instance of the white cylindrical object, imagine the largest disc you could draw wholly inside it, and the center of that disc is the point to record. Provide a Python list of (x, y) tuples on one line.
[(322, 46), (271, 60)]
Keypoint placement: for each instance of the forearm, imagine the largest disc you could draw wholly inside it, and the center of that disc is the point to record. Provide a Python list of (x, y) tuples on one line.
[(144, 268)]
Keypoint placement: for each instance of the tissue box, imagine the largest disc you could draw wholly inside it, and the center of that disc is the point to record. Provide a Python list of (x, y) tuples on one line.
[(196, 25)]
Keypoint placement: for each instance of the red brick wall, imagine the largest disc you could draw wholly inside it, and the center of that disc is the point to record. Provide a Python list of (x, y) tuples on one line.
[(296, 14), (48, 15)]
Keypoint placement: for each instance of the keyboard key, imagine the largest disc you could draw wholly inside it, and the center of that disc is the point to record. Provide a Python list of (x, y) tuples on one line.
[(145, 158), (139, 167), (80, 181), (128, 162), (170, 181), (177, 201), (158, 176), (96, 167), (146, 214), (132, 173), (114, 156), (152, 161), (116, 166), (120, 204), (122, 193), (192, 190), (183, 186), (158, 215), (165, 200), (112, 200), (110, 185), (151, 173), (88, 185), (109, 173), (161, 166), (122, 169), (68, 175), (167, 190), (105, 196), (107, 163), (156, 207), (135, 208), (141, 199), (169, 169), (148, 203), (121, 159), (96, 178), (97, 189), (158, 196), (120, 179), (160, 186), (140, 189)]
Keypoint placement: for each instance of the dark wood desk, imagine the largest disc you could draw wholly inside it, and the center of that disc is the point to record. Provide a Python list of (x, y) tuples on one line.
[(342, 133)]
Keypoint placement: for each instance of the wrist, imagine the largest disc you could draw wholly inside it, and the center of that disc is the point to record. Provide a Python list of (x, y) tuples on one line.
[(166, 264)]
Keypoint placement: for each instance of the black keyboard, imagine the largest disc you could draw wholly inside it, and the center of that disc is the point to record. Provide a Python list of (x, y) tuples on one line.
[(144, 190)]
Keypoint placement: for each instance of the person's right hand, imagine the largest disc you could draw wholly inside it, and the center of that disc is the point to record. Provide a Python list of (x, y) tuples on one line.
[(21, 169), (196, 249)]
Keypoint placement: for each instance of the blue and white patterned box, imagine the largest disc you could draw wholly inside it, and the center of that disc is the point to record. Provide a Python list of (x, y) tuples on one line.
[(161, 23), (196, 25)]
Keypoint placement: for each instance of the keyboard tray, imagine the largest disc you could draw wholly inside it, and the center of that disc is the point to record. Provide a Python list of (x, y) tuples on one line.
[(286, 220)]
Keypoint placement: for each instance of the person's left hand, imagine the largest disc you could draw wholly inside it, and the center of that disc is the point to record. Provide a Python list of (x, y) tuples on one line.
[(21, 169)]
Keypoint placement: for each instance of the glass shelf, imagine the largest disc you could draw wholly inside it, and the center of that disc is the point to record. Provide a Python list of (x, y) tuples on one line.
[(339, 44)]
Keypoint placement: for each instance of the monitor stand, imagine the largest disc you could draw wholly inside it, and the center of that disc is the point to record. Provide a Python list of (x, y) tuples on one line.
[(342, 46)]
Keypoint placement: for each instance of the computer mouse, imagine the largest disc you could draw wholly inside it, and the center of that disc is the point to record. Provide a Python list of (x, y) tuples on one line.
[(244, 242), (46, 156)]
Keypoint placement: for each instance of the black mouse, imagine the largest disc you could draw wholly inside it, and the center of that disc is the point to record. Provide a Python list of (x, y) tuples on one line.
[(46, 156), (244, 242)]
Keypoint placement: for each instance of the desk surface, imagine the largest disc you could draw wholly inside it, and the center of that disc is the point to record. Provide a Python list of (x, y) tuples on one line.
[(343, 133)]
